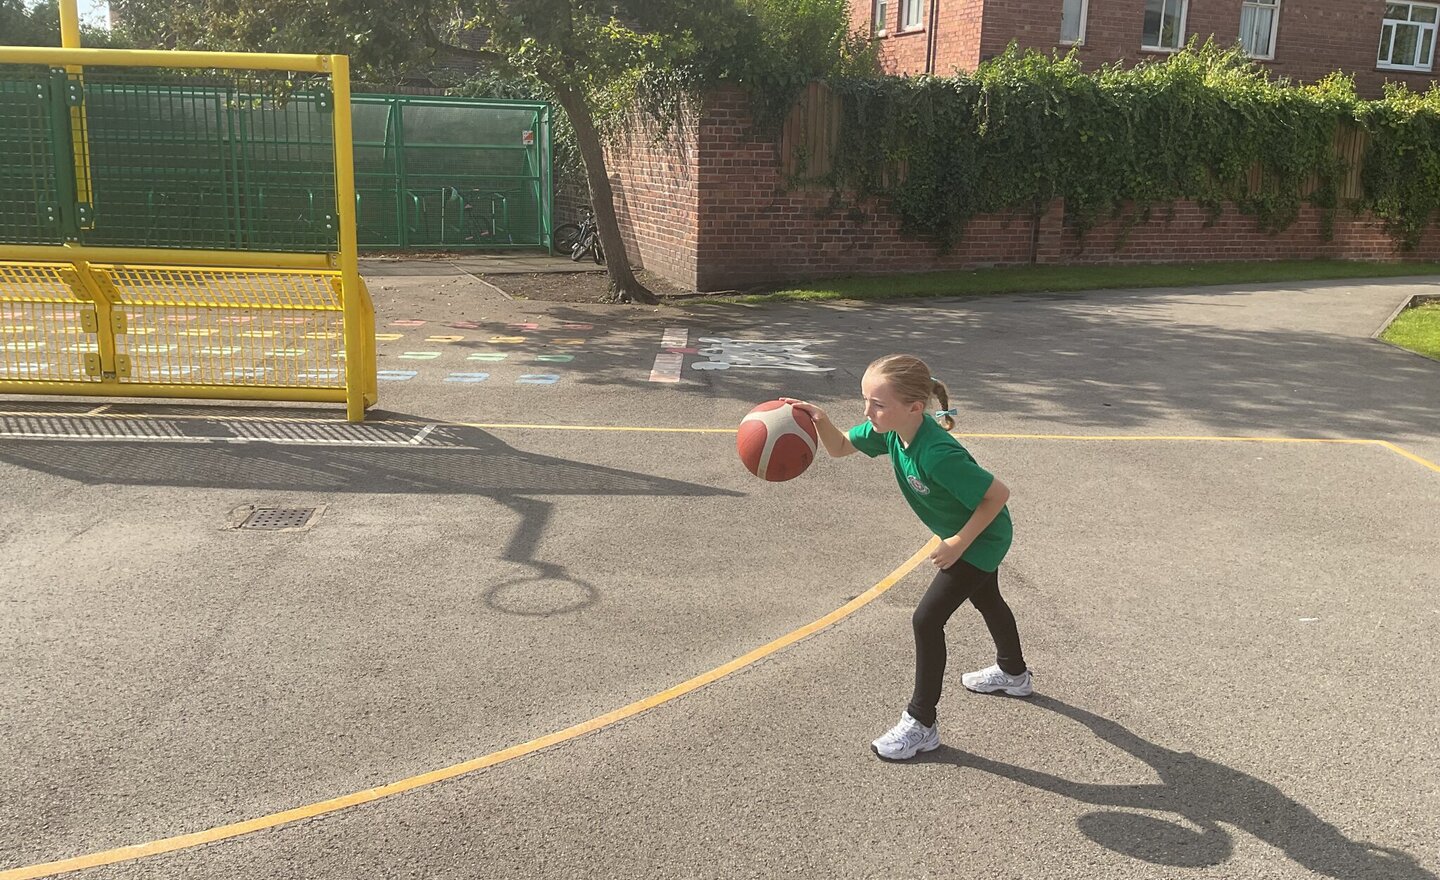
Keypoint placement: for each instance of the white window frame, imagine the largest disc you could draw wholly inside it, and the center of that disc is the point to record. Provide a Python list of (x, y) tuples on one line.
[(879, 16), (1274, 7), (1180, 34), (1382, 60), (906, 8), (1084, 16)]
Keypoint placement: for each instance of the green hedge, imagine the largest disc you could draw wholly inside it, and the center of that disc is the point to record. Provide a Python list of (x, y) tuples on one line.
[(1026, 128)]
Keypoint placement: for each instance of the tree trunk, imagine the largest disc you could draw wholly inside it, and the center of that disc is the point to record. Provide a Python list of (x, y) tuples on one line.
[(626, 286)]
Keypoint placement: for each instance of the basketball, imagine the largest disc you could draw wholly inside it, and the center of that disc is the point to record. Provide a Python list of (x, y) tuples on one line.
[(776, 441)]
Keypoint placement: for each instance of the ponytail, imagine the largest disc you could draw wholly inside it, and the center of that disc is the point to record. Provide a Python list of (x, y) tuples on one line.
[(945, 415)]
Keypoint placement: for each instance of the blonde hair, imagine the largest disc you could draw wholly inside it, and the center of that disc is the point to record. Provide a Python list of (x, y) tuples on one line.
[(910, 379)]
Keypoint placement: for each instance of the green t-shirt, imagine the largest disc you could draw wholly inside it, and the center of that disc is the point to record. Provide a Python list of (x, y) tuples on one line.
[(943, 484)]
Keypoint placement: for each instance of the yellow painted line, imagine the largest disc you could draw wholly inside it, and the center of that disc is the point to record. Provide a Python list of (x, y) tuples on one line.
[(320, 808), (1410, 455), (503, 427), (651, 429), (1166, 438)]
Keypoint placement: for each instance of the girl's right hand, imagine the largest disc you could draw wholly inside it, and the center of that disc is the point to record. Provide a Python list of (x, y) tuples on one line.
[(809, 409)]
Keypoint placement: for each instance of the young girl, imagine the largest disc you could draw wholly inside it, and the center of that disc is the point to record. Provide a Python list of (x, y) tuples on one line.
[(961, 503)]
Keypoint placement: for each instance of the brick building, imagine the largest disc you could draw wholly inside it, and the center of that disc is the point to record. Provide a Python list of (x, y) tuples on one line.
[(1301, 39)]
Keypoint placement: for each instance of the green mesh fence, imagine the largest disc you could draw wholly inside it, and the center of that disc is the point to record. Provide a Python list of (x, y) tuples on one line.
[(451, 172), (29, 196), (208, 160)]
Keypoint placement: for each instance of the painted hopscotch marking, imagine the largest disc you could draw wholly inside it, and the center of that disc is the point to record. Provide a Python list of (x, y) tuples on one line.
[(577, 326), (387, 337), (537, 379), (723, 353), (395, 375), (555, 358), (407, 323), (523, 326), (445, 339), (668, 363), (506, 340), (467, 378), (464, 325), (490, 356), (419, 355)]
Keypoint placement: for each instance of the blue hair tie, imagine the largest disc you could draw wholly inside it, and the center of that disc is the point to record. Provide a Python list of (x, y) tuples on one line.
[(941, 413)]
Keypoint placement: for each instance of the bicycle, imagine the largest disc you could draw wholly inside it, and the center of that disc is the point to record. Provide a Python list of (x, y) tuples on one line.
[(580, 240)]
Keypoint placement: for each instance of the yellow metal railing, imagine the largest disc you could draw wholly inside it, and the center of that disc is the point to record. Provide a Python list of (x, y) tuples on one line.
[(147, 322)]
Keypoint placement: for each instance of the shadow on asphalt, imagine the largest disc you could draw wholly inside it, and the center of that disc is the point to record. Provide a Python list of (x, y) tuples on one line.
[(451, 459), (1204, 793), (1115, 360)]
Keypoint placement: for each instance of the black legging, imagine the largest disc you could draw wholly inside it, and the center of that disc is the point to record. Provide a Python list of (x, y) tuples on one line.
[(951, 587)]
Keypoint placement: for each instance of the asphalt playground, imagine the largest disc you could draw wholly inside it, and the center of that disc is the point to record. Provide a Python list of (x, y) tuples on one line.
[(543, 624)]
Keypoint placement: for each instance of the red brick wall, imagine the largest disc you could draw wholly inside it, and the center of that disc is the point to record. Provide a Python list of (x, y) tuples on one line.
[(1314, 37), (715, 216), (656, 189), (1183, 237)]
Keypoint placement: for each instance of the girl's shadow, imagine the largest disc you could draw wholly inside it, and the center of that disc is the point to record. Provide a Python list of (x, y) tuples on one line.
[(1206, 794)]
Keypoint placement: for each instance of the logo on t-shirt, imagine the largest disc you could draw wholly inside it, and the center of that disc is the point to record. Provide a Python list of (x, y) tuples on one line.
[(917, 485)]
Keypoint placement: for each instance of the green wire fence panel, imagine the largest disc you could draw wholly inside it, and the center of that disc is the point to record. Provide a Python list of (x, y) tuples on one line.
[(166, 159), (451, 172), (218, 162), (245, 161), (29, 195)]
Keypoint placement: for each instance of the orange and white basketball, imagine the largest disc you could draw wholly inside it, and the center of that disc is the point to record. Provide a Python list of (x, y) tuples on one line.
[(776, 441)]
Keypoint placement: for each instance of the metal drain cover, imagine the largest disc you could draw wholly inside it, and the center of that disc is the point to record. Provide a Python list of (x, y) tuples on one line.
[(277, 519)]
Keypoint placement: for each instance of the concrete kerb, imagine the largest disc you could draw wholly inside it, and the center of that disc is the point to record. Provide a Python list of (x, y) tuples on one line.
[(1418, 299)]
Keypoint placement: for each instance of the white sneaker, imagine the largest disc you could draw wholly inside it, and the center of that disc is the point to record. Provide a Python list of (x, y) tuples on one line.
[(906, 739), (993, 678)]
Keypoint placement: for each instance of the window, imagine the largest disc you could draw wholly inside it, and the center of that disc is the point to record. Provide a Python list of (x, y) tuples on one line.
[(1164, 24), (1407, 36), (882, 13), (1072, 21), (911, 14), (1258, 21)]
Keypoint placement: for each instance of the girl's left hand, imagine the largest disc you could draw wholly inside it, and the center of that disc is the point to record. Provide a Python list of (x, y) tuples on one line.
[(945, 555)]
